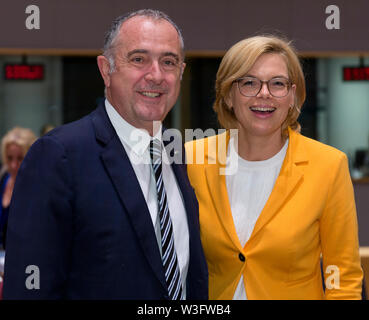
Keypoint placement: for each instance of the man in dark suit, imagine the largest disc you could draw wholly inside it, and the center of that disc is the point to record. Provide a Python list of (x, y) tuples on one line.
[(85, 221)]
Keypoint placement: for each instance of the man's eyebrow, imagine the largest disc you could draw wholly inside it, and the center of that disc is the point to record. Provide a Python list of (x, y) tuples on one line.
[(131, 53), (171, 54), (144, 51)]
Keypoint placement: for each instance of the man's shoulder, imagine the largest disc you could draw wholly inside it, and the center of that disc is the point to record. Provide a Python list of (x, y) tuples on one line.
[(74, 133)]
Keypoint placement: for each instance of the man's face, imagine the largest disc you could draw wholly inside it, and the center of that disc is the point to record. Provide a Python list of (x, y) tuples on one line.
[(148, 67)]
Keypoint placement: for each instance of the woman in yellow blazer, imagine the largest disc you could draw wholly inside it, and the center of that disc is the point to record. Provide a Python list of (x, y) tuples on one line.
[(272, 202)]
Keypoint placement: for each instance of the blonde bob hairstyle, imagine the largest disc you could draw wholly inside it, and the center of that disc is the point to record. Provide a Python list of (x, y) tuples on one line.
[(240, 58), (21, 137)]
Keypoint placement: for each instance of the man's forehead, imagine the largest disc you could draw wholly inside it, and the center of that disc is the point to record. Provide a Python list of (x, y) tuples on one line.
[(147, 33), (140, 25)]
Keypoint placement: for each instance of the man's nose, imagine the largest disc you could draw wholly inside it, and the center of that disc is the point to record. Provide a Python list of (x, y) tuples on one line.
[(155, 73)]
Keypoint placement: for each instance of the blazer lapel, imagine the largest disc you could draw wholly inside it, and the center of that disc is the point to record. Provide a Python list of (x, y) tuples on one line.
[(121, 172), (218, 189), (288, 180)]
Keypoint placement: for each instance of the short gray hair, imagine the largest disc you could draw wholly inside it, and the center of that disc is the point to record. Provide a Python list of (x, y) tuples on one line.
[(111, 35)]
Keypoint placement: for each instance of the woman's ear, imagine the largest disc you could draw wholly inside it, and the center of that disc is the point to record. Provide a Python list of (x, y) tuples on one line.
[(228, 99), (293, 94)]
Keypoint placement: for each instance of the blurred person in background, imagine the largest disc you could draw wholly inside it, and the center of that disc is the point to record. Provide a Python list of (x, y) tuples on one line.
[(46, 128), (265, 227), (14, 147)]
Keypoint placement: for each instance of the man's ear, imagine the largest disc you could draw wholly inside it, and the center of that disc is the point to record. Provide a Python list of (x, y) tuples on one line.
[(104, 67), (182, 70)]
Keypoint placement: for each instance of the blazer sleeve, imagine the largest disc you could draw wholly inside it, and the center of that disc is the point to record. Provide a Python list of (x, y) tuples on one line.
[(40, 225), (339, 237)]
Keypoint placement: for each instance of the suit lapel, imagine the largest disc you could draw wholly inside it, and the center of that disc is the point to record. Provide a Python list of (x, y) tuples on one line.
[(121, 172), (179, 171), (181, 178)]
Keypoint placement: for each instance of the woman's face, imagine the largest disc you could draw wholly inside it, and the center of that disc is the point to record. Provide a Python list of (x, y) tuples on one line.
[(14, 158), (263, 114)]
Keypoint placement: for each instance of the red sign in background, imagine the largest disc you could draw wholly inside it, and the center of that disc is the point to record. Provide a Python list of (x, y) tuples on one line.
[(355, 73), (24, 72)]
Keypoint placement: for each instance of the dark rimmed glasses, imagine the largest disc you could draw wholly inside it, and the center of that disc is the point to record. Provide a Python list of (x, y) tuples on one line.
[(251, 86)]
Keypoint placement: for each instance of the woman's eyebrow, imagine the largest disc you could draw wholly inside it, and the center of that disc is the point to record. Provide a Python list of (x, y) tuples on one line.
[(277, 76)]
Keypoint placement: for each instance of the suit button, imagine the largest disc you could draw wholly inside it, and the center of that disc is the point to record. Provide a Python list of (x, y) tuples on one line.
[(241, 257)]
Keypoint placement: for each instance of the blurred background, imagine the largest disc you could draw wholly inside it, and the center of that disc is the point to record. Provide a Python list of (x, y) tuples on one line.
[(50, 76)]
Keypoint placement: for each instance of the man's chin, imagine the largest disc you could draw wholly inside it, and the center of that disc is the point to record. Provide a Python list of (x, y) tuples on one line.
[(150, 124), (157, 117)]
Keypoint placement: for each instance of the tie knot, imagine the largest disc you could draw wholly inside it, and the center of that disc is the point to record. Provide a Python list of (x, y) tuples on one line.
[(155, 151)]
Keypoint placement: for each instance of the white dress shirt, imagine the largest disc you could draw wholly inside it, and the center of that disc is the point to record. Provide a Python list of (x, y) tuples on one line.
[(136, 143), (248, 191)]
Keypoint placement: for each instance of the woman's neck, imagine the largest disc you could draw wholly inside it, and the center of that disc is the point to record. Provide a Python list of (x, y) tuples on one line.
[(11, 180), (258, 148)]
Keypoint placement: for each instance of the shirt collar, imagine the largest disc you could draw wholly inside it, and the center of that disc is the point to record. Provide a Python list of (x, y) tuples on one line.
[(136, 139)]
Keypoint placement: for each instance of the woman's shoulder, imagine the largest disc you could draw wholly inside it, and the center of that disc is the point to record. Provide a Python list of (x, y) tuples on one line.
[(3, 176), (206, 147), (211, 140), (317, 149)]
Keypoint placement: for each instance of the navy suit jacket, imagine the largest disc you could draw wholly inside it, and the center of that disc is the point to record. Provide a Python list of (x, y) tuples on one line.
[(78, 214)]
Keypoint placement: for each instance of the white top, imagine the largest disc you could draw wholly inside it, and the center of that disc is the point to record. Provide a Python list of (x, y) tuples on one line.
[(248, 191), (136, 143)]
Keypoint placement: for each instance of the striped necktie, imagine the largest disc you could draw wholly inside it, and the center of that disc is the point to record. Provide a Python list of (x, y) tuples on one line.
[(169, 256)]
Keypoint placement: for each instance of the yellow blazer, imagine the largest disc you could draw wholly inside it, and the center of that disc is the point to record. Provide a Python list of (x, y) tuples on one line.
[(310, 213)]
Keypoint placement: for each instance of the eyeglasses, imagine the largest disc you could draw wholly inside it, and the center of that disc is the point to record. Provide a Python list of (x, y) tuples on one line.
[(251, 86)]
